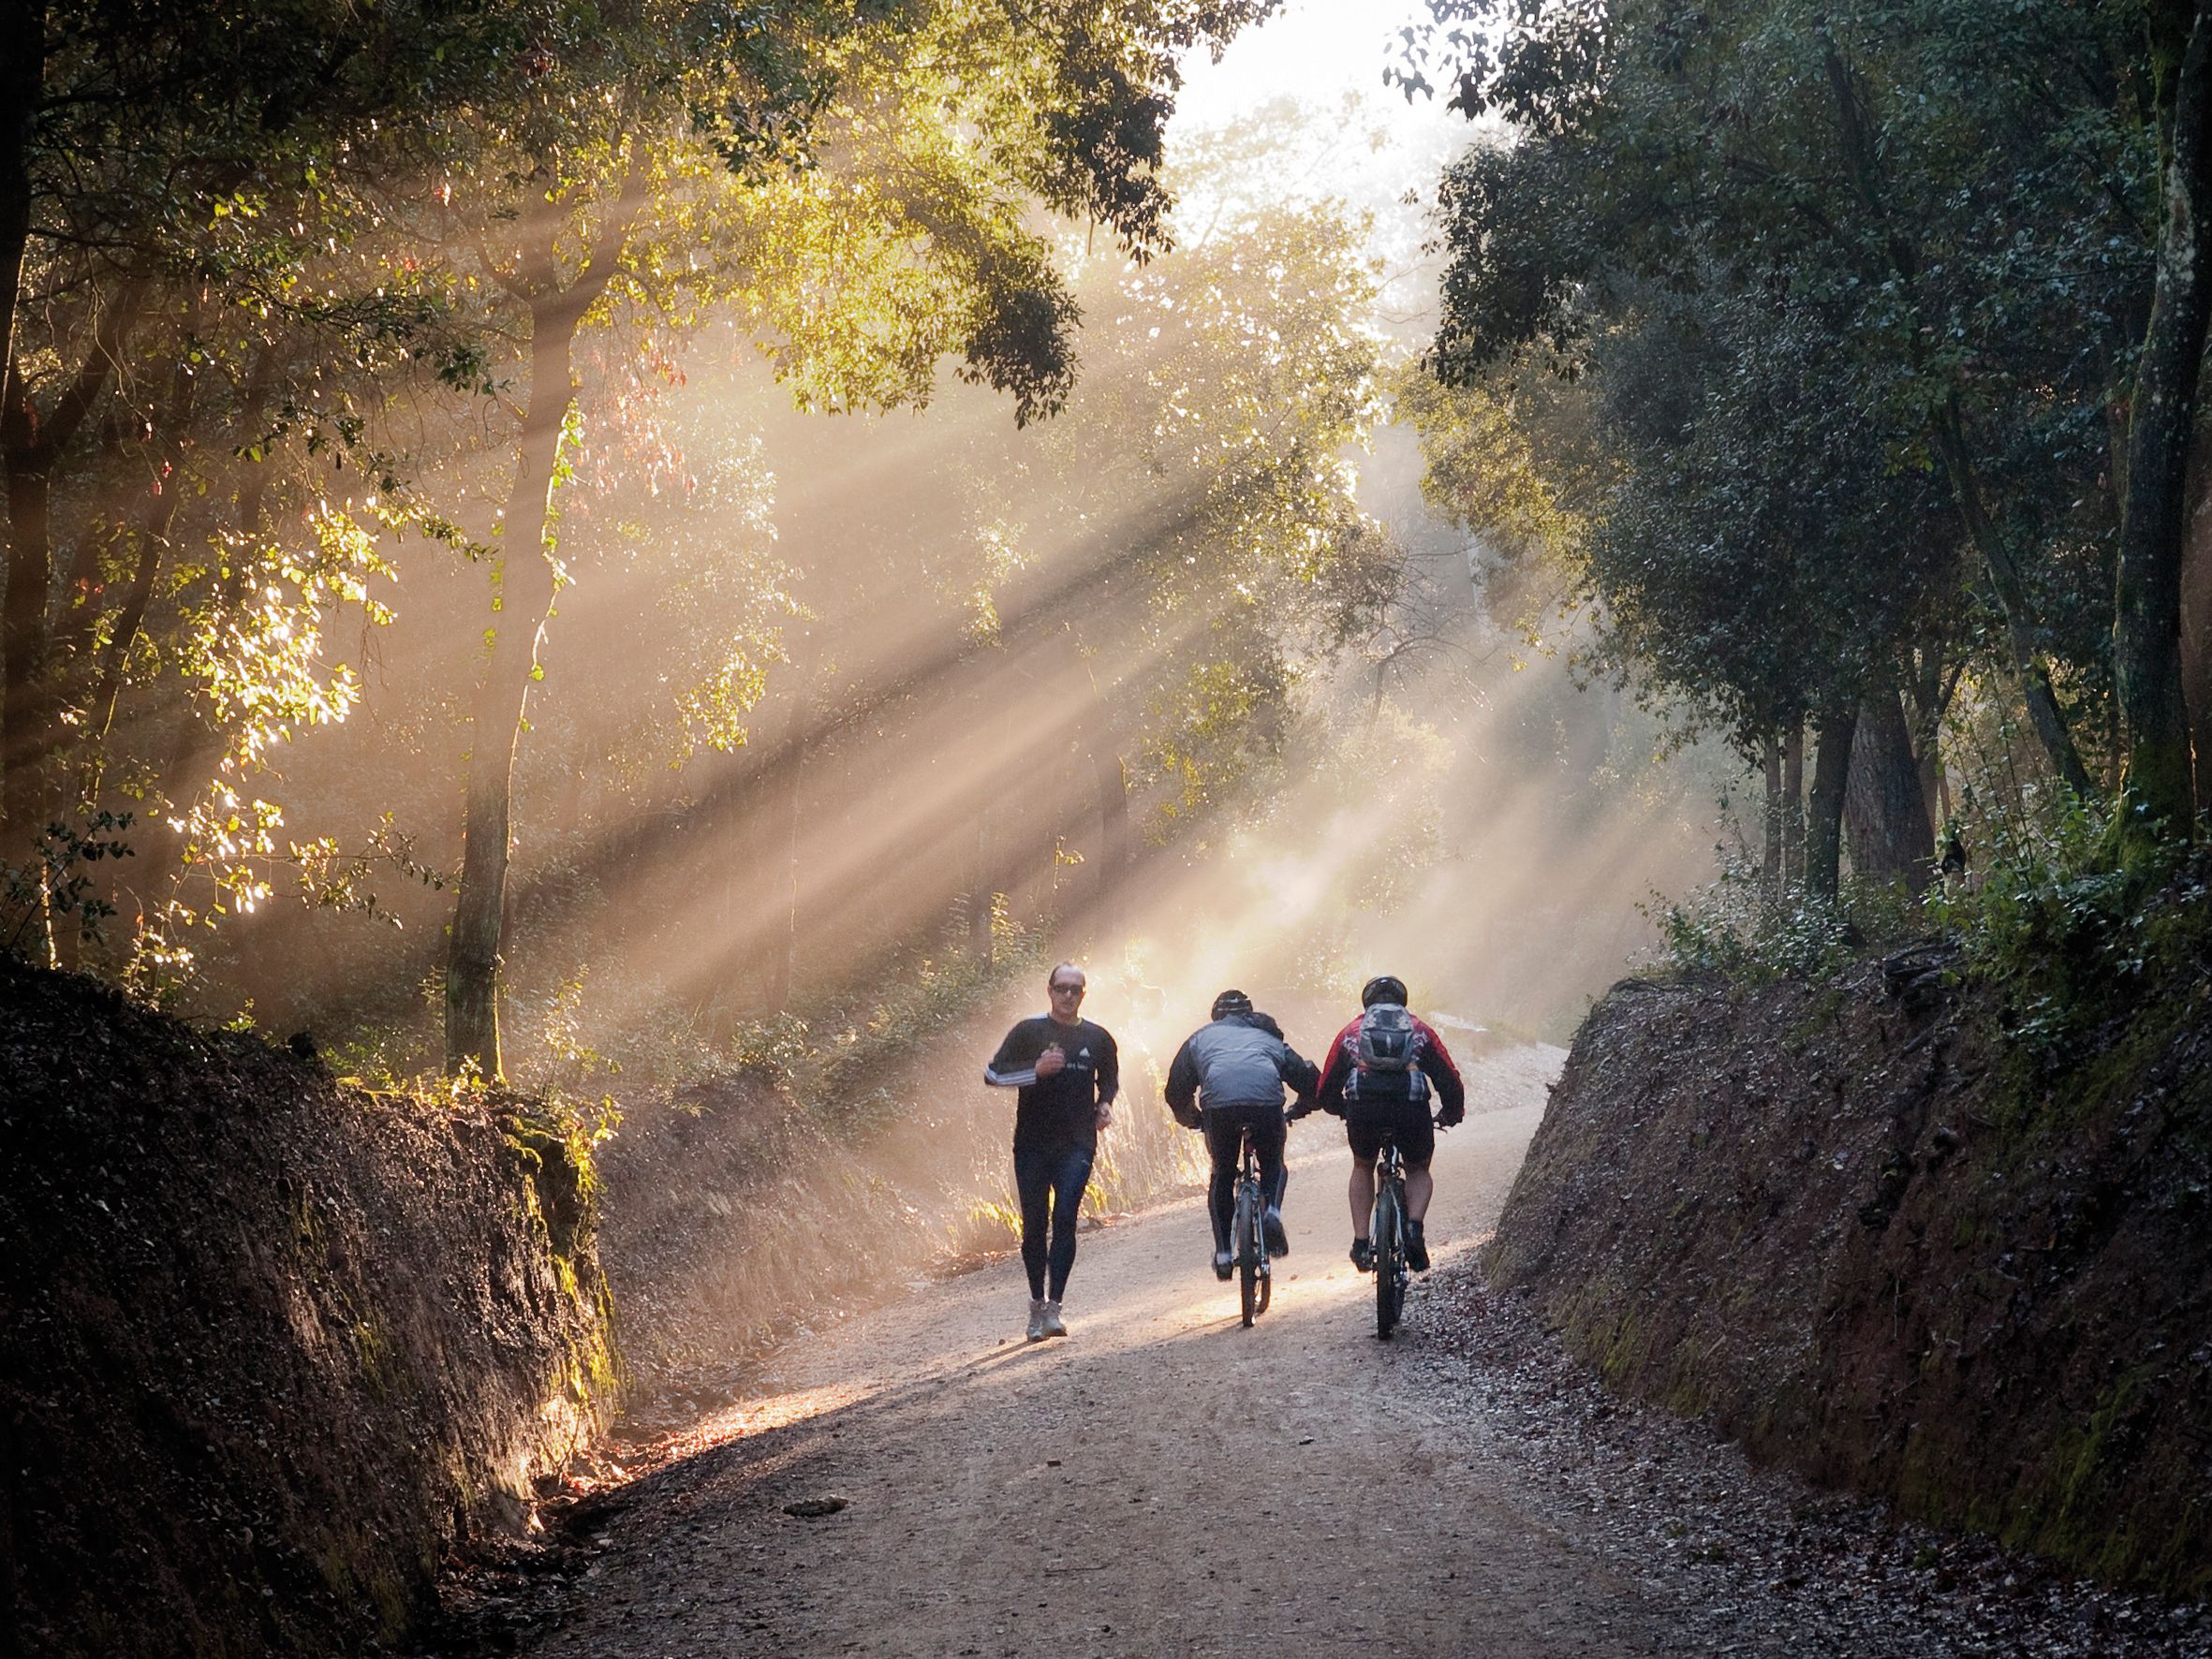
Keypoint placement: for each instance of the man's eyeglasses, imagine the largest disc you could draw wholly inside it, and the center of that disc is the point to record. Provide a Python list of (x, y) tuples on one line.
[(1069, 990)]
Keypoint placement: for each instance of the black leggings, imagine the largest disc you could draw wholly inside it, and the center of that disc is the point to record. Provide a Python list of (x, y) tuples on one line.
[(1050, 1180), (1223, 1124)]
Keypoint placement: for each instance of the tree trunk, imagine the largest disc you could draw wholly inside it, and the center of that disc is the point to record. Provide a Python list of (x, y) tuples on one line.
[(172, 423), (1770, 864), (22, 69), (525, 576), (1885, 809), (95, 717), (1933, 683), (1793, 807), (527, 587), (1862, 154), (1112, 781), (2196, 625), (1935, 791), (2146, 625), (30, 582), (2012, 597), (1832, 730), (782, 864), (30, 447)]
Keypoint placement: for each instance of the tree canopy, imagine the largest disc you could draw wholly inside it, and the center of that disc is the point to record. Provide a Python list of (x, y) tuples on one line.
[(1862, 304)]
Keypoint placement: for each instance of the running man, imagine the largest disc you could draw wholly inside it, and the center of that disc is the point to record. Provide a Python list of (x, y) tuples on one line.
[(1372, 1100), (1229, 1077), (1069, 1072)]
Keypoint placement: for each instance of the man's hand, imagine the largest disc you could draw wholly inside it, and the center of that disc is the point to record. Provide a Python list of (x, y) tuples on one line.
[(1448, 1118), (1105, 1115), (1051, 1063)]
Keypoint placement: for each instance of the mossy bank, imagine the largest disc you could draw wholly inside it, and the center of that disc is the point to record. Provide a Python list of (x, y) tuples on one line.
[(1858, 1227), (272, 1344)]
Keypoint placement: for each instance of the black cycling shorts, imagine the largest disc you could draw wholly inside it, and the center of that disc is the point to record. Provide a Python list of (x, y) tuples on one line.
[(1365, 1123)]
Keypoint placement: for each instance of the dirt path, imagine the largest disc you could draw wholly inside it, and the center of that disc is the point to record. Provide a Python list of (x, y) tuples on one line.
[(1163, 1482)]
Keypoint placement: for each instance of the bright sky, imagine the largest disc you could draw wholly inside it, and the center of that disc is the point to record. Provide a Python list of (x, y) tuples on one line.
[(1370, 152), (1317, 50)]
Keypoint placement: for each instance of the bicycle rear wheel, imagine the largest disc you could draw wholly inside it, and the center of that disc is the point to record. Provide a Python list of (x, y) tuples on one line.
[(1246, 1239), (1390, 1257)]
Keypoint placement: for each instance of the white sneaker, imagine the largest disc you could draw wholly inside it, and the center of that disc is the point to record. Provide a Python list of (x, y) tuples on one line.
[(1054, 1323), (1037, 1308)]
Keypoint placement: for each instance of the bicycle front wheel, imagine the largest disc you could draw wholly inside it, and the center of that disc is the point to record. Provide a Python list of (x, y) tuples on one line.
[(1390, 1256), (1247, 1250)]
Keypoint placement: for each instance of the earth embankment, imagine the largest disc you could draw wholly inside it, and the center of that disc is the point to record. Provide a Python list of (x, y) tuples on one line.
[(271, 1345), (1852, 1227)]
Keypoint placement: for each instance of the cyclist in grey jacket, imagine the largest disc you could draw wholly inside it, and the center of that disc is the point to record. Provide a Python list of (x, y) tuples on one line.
[(1227, 1077)]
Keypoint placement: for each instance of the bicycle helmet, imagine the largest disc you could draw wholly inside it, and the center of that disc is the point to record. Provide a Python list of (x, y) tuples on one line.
[(1231, 1002), (1383, 988)]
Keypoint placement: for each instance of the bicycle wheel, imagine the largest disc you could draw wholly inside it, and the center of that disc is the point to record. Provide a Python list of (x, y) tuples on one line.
[(1247, 1249), (1390, 1257)]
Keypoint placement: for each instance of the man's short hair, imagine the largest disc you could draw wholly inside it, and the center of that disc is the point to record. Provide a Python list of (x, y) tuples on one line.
[(1051, 978), (1231, 1002)]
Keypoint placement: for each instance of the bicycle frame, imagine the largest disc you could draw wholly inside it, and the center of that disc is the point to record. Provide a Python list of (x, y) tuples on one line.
[(1247, 1235), (1386, 1236)]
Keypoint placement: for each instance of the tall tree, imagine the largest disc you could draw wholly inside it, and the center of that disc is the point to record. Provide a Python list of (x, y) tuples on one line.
[(2162, 423), (909, 228), (1978, 294), (140, 149)]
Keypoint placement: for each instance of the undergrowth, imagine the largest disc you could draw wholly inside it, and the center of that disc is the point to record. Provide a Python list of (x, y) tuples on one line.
[(1735, 927), (2080, 940), (845, 1060), (2086, 945), (2056, 916)]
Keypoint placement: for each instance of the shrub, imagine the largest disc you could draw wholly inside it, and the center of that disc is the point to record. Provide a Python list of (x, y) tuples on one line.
[(1735, 927), (2075, 925)]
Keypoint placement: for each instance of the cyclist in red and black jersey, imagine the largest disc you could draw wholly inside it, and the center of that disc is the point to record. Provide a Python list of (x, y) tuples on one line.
[(1371, 1102)]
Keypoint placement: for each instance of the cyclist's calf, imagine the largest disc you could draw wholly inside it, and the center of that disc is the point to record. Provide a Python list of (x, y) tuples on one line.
[(1420, 1187)]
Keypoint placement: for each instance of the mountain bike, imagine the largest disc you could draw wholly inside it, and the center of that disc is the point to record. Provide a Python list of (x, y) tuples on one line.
[(1386, 1234), (1248, 1233)]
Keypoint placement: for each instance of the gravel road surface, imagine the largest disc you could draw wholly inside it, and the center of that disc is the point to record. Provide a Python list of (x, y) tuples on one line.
[(921, 1481)]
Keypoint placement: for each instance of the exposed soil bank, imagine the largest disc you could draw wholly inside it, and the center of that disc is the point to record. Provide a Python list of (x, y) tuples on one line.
[(268, 1345), (1856, 1233), (1163, 1481)]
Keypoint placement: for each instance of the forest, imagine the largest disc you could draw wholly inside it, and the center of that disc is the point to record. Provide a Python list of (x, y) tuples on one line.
[(508, 532), (1846, 364), (1826, 392), (606, 567)]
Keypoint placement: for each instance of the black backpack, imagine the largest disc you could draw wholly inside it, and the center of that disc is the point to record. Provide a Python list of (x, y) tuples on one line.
[(1385, 1056)]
